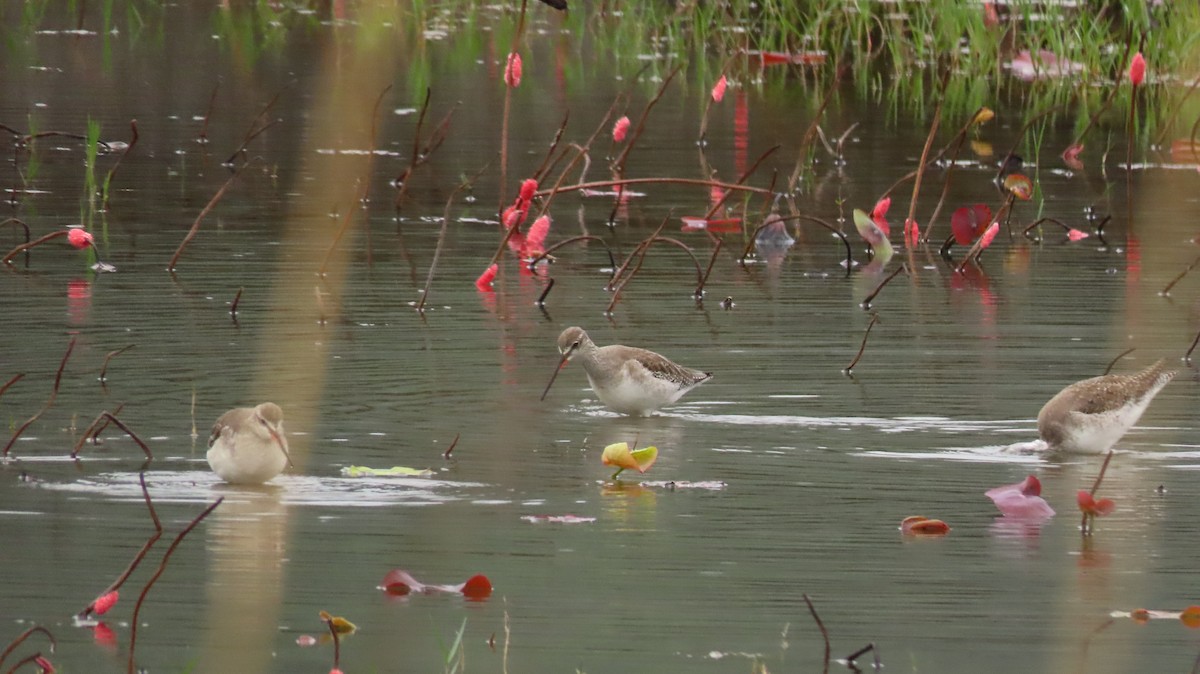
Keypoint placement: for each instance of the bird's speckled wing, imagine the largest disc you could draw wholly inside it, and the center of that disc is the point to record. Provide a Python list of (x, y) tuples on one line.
[(661, 368), (1111, 392), (228, 422)]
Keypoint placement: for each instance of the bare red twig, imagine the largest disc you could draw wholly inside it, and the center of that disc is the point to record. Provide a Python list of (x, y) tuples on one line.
[(866, 303), (233, 306), (20, 223), (1112, 363), (137, 608), (25, 635), (15, 378), (49, 403), (619, 163), (113, 171), (453, 444), (255, 130), (141, 554), (110, 417), (110, 356), (207, 208), (862, 347), (7, 259), (824, 632)]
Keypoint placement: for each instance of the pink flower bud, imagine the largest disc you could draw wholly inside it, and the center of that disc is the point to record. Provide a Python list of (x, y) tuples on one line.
[(1075, 234), (988, 235), (42, 662), (535, 241), (484, 282), (512, 70), (718, 90), (105, 602), (1137, 69), (620, 129), (79, 237), (527, 190)]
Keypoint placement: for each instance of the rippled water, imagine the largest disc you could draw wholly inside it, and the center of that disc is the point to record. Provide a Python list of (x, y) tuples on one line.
[(806, 472)]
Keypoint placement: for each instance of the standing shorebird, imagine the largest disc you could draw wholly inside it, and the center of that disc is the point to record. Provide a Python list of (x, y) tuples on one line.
[(247, 445), (627, 380), (1090, 416)]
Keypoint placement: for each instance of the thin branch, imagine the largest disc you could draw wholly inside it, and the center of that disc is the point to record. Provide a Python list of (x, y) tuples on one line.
[(110, 356), (619, 163), (207, 208), (25, 635), (711, 261), (15, 378), (106, 415), (862, 347), (1166, 291), (141, 554), (49, 403), (453, 444), (824, 633), (212, 100), (866, 303), (1121, 355)]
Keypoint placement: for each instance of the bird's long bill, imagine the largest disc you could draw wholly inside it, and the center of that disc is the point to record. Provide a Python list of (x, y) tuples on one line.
[(563, 361), (283, 446)]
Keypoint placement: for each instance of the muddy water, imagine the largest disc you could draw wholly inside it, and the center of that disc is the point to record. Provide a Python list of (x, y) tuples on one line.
[(799, 475)]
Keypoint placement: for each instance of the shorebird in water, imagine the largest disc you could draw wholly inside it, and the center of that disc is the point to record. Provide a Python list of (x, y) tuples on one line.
[(248, 446), (628, 380)]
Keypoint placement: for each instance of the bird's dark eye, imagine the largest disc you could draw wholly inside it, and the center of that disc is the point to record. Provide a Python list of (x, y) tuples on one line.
[(575, 345)]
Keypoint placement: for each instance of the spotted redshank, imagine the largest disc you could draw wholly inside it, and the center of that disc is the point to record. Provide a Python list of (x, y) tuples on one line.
[(627, 380), (1090, 416), (247, 445)]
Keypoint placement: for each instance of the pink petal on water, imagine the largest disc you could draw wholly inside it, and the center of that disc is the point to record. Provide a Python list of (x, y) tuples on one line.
[(1021, 499)]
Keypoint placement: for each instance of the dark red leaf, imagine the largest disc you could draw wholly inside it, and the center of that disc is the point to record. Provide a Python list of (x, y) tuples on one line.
[(968, 223)]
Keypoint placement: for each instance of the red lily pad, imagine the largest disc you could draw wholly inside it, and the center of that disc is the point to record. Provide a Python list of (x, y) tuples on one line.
[(1091, 505), (968, 223), (476, 587)]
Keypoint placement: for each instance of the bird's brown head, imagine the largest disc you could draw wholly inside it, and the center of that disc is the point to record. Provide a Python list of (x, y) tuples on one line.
[(571, 340), (269, 418)]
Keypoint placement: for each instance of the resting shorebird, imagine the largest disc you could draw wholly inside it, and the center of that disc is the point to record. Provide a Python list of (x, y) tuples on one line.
[(247, 445), (627, 380), (1090, 416)]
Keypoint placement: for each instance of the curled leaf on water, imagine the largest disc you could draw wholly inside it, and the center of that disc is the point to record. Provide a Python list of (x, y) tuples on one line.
[(399, 582), (868, 229), (984, 116), (1021, 500), (476, 587), (969, 222), (1019, 186), (1190, 616), (394, 471), (982, 149), (1090, 505), (917, 525), (1140, 616), (619, 455), (1070, 156), (340, 624)]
